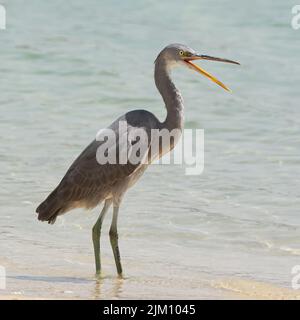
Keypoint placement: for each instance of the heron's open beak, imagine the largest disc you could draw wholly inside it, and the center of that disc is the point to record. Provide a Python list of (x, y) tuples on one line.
[(200, 70)]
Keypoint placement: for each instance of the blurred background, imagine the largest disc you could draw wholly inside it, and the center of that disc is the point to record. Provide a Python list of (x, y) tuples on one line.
[(70, 68)]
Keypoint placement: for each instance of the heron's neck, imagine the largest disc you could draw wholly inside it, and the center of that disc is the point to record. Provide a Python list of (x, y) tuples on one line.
[(170, 94)]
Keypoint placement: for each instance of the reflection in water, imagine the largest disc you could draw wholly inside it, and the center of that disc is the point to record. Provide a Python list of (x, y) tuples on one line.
[(115, 287), (97, 288)]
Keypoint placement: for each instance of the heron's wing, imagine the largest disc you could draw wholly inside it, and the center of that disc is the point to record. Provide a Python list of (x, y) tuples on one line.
[(89, 176)]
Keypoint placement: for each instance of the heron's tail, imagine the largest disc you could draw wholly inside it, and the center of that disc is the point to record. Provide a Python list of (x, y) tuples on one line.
[(49, 209)]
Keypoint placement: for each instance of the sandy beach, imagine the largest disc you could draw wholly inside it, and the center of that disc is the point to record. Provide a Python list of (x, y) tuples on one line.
[(238, 289)]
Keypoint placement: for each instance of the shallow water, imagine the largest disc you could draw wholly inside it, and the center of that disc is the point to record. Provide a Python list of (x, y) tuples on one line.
[(69, 69)]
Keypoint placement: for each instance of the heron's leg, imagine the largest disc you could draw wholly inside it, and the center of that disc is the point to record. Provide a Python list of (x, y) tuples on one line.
[(113, 235), (97, 233)]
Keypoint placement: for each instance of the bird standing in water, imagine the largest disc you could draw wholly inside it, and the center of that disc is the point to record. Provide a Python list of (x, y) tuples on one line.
[(88, 183)]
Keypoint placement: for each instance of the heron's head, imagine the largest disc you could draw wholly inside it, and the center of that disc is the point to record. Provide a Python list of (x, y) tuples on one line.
[(179, 54)]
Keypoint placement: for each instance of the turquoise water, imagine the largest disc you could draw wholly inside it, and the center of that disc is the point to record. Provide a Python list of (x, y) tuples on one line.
[(70, 68)]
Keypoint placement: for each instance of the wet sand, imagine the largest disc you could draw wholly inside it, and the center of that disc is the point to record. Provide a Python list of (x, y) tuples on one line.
[(239, 289), (160, 282)]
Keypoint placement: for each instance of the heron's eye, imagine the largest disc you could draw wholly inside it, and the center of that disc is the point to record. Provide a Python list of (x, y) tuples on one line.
[(181, 53)]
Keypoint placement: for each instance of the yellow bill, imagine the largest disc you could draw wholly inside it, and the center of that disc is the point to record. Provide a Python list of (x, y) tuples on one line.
[(205, 73)]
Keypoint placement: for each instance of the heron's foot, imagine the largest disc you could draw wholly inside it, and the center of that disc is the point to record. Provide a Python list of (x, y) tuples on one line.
[(98, 264), (99, 274), (119, 267)]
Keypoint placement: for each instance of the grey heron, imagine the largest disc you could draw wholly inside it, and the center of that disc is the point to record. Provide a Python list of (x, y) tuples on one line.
[(88, 183)]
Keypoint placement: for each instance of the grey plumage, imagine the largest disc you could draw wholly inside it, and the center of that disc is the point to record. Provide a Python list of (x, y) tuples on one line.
[(87, 183)]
